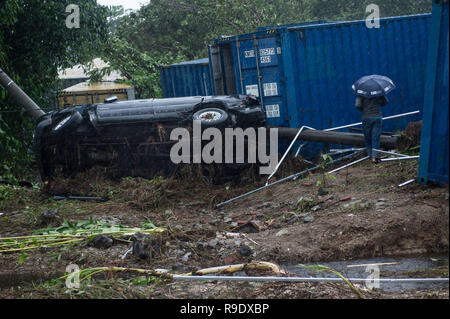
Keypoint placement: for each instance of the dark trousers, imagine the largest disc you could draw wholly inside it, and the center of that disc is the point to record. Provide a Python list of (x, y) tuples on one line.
[(372, 131)]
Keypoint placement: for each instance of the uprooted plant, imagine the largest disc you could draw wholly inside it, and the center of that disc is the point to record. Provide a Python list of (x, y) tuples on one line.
[(328, 269), (72, 233)]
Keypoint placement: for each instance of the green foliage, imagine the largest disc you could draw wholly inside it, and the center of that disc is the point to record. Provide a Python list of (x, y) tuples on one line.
[(34, 44), (324, 162), (345, 10), (305, 205)]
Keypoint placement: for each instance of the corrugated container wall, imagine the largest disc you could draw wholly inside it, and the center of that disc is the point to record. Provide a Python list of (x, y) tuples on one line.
[(303, 74), (191, 78), (434, 150)]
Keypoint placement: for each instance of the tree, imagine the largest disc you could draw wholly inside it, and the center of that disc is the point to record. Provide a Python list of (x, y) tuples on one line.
[(34, 43), (344, 10)]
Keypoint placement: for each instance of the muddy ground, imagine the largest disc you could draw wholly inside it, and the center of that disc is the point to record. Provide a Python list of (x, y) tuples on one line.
[(359, 214)]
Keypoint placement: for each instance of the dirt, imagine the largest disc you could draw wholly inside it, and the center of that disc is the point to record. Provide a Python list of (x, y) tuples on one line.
[(363, 215)]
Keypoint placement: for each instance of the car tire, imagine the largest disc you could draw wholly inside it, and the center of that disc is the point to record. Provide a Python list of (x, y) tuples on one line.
[(72, 123), (211, 117)]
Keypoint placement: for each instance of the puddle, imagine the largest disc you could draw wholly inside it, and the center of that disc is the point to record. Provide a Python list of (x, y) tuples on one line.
[(400, 269)]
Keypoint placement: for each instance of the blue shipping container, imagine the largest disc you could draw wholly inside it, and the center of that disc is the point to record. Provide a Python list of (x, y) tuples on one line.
[(303, 74), (273, 27), (191, 78), (434, 162)]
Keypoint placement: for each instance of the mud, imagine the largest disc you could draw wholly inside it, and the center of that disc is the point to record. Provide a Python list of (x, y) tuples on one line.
[(364, 217)]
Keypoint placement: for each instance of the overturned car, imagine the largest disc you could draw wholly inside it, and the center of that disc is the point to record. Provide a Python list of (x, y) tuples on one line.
[(128, 138), (132, 138)]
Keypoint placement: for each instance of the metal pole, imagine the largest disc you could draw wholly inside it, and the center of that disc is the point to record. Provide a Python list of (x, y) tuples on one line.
[(305, 279), (294, 176), (390, 153), (267, 186), (299, 149), (21, 97), (406, 183), (286, 153), (384, 118), (337, 151), (400, 158), (348, 165)]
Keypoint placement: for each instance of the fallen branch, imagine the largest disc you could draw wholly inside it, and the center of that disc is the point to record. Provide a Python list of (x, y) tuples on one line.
[(85, 274), (260, 265)]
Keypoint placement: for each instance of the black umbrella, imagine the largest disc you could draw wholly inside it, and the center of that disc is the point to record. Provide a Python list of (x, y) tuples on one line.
[(371, 86)]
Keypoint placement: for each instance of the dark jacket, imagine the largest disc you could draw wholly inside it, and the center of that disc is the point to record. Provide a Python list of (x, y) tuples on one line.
[(371, 107)]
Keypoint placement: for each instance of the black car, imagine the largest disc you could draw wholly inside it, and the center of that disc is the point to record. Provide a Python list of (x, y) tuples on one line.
[(132, 138)]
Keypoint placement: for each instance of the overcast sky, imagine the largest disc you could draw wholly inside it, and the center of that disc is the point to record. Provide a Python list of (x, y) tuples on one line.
[(127, 4)]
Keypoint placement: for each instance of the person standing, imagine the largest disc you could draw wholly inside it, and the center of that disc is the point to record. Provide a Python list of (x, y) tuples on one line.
[(372, 121)]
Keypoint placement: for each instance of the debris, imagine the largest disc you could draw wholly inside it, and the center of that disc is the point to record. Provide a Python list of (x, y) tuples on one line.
[(214, 222), (382, 199), (232, 235), (168, 212), (49, 216), (348, 165), (178, 267), (141, 245), (406, 183), (289, 178), (380, 206), (308, 219), (400, 158), (429, 204), (322, 191), (303, 200), (307, 184), (185, 258), (282, 232), (252, 226), (261, 265), (346, 198), (103, 242), (178, 227), (71, 233), (229, 260), (129, 250), (265, 205), (81, 198), (315, 208), (244, 250), (248, 238), (324, 199), (368, 265), (213, 243), (333, 202)]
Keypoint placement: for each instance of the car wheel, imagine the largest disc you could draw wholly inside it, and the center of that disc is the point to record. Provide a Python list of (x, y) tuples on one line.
[(211, 117)]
